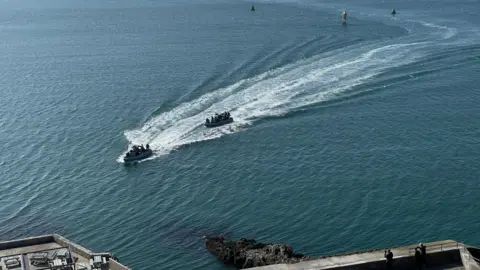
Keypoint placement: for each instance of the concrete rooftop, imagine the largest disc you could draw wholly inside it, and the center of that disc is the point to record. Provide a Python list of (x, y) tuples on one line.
[(53, 252)]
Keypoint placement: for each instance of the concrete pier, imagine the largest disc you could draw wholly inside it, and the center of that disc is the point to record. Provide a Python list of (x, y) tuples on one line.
[(446, 254)]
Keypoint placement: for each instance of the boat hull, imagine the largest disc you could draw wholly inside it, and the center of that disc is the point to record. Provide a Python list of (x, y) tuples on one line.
[(143, 155), (219, 123)]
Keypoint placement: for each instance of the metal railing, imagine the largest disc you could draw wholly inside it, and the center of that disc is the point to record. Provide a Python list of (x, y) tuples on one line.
[(438, 247), (448, 246)]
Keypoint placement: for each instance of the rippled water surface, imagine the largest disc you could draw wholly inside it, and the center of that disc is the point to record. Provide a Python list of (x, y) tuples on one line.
[(345, 137)]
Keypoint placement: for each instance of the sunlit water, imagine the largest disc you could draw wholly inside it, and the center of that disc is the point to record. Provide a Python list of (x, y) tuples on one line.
[(345, 137)]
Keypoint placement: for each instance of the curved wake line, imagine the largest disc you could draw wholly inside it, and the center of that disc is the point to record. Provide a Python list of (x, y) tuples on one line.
[(272, 93), (276, 92)]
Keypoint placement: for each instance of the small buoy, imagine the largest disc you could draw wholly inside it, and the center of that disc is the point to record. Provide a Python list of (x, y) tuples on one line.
[(253, 8), (394, 12), (344, 17)]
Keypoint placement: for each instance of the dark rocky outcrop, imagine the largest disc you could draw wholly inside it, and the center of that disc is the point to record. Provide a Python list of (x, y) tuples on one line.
[(246, 253)]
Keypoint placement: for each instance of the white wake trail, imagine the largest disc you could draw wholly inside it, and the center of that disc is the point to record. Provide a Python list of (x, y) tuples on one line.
[(276, 92), (273, 93)]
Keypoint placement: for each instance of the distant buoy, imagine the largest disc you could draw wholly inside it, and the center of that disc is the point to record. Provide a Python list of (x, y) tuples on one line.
[(253, 8), (394, 12), (344, 17)]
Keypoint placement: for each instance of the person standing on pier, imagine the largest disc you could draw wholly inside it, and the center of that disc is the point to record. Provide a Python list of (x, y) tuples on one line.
[(389, 256), (418, 258), (423, 250)]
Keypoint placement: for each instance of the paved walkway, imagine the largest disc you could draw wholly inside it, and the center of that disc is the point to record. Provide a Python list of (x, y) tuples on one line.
[(364, 257)]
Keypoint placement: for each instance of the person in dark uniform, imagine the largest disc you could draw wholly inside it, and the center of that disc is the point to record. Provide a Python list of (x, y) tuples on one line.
[(423, 250), (389, 256), (418, 258)]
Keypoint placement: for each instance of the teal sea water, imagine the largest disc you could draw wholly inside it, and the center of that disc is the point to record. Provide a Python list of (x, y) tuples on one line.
[(345, 137)]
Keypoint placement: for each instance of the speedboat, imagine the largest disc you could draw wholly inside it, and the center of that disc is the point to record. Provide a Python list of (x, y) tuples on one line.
[(138, 153), (219, 120)]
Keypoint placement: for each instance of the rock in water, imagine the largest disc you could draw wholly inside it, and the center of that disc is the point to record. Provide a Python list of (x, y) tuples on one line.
[(246, 253)]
